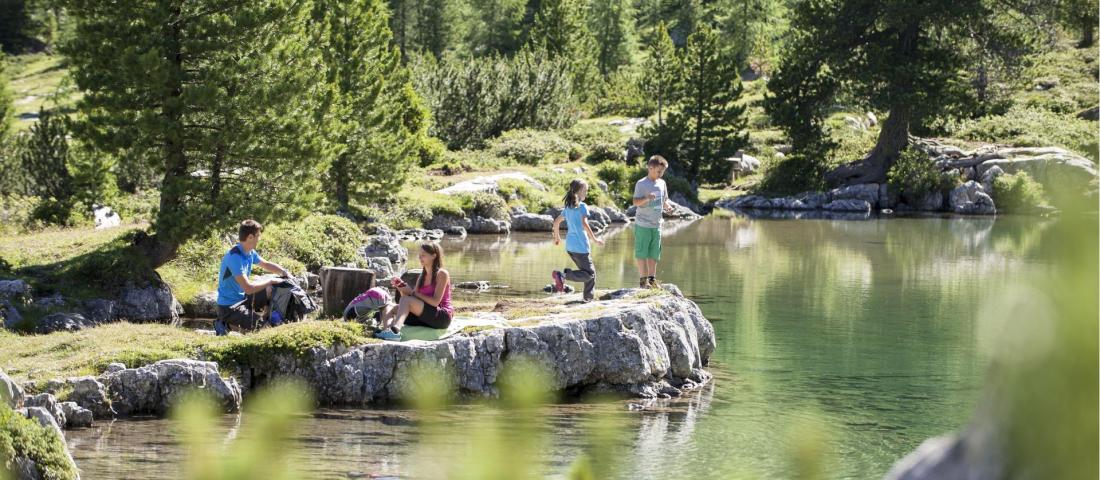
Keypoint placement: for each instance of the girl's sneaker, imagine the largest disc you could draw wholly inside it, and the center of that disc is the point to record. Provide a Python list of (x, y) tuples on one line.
[(559, 282), (388, 334)]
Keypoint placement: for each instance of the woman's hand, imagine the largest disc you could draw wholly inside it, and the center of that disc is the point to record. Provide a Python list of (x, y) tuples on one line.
[(405, 290)]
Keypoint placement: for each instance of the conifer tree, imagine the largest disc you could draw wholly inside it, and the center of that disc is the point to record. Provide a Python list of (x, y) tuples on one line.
[(7, 107), (707, 125), (661, 71), (374, 123), (216, 97), (612, 25), (560, 30)]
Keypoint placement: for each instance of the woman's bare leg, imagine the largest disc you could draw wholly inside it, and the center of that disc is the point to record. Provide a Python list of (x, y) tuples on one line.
[(409, 304)]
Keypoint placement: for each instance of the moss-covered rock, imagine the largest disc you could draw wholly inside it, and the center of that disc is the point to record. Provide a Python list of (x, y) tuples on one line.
[(26, 447)]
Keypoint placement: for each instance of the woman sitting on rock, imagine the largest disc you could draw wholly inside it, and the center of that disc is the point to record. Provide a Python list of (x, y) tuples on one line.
[(429, 304)]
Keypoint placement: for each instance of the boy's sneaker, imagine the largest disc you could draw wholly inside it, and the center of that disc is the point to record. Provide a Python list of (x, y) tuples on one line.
[(559, 282), (220, 328), (388, 334), (653, 283), (643, 282)]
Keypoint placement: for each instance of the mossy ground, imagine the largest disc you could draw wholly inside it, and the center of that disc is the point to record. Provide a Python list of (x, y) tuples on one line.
[(24, 437)]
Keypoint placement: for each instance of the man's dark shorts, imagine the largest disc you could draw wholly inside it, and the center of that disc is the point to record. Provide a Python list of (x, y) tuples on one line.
[(245, 313)]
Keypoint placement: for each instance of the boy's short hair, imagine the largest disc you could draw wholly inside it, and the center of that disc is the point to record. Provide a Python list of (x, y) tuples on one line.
[(657, 160), (249, 227)]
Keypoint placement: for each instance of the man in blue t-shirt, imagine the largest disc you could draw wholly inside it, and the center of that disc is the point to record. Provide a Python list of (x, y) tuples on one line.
[(239, 298)]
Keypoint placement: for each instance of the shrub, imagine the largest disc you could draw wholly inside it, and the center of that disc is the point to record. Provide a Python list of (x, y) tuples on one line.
[(622, 94), (590, 134), (24, 437), (431, 151), (913, 175), (1032, 127), (794, 174), (488, 205), (315, 241), (603, 152), (531, 147), (1018, 193), (473, 100), (519, 192), (620, 179)]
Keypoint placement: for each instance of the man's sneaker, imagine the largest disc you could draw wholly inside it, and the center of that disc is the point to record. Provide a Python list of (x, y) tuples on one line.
[(388, 334), (220, 328), (559, 282)]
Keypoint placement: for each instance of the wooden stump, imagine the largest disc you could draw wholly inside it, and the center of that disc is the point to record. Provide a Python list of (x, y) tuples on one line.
[(340, 285)]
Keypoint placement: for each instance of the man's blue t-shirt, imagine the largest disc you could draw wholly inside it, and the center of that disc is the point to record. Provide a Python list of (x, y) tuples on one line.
[(235, 262), (576, 241)]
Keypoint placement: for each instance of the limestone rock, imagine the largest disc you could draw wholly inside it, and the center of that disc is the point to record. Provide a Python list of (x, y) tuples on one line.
[(10, 315), (153, 302), (89, 393), (76, 416), (382, 268), (44, 418), (11, 392), (105, 217), (204, 305), (50, 404), (420, 234), (16, 291), (868, 192), (100, 310), (63, 322), (1055, 168), (850, 205), (616, 215), (446, 221), (969, 198), (456, 231), (154, 388), (488, 225), (489, 184), (989, 177), (1092, 113), (532, 222), (385, 245)]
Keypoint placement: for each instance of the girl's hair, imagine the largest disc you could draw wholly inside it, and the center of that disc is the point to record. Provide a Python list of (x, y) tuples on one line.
[(575, 188), (431, 248)]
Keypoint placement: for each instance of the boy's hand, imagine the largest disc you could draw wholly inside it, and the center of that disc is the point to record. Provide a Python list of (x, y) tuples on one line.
[(651, 196), (557, 239)]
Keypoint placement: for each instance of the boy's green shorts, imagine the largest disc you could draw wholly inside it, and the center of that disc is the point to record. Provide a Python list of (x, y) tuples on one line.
[(647, 243)]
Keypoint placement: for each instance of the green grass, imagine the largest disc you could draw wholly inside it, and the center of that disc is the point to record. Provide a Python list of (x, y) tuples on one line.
[(89, 351), (39, 81)]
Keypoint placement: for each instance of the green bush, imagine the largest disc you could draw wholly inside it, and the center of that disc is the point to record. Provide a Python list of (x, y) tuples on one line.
[(793, 174), (23, 437), (520, 193), (315, 241), (17, 213), (592, 133), (1032, 127), (484, 204), (622, 94), (620, 179), (532, 147), (475, 99), (913, 175), (431, 151), (604, 151), (1018, 193)]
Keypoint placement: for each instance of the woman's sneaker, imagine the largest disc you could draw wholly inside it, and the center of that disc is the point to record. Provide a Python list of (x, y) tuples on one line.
[(388, 334), (559, 282)]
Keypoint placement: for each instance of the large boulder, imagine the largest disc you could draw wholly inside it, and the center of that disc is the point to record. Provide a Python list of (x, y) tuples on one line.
[(868, 192), (448, 223), (490, 184), (1055, 168), (148, 303), (488, 225), (382, 268), (616, 215), (89, 393), (76, 416), (16, 291), (385, 245), (63, 322), (100, 310), (105, 217), (11, 393), (675, 212), (49, 403), (155, 388), (203, 305), (44, 418), (848, 205), (969, 198), (532, 222), (10, 315), (989, 177)]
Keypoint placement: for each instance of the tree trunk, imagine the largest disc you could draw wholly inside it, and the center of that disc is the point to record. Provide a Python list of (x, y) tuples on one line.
[(1088, 32), (162, 247), (893, 137), (340, 182), (339, 286)]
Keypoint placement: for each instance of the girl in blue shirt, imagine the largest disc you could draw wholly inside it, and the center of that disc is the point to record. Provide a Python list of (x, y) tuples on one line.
[(575, 216)]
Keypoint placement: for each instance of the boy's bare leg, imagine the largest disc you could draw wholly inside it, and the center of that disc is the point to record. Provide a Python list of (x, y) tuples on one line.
[(642, 267)]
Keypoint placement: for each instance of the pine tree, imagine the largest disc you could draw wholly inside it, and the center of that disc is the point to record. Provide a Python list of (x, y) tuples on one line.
[(612, 25), (496, 26), (7, 107), (898, 56), (661, 71), (435, 19), (217, 97), (561, 32), (707, 125), (374, 123)]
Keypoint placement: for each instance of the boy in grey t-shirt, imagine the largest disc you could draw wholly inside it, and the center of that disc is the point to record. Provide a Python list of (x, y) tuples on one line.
[(651, 200)]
